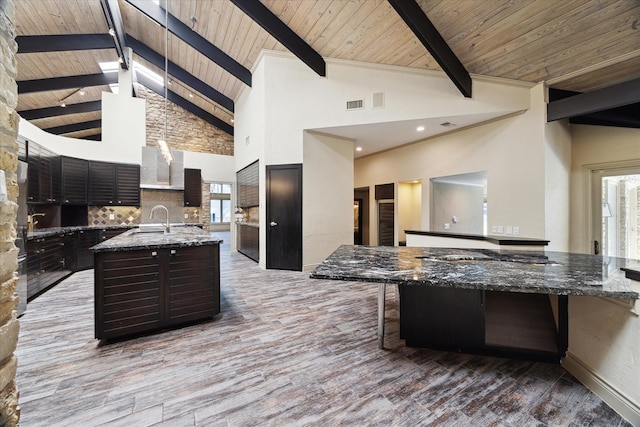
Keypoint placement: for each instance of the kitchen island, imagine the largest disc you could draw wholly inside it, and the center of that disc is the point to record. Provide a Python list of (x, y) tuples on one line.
[(479, 300), (148, 280)]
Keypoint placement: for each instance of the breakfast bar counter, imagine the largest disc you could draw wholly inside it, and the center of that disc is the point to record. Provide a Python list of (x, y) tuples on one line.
[(479, 300)]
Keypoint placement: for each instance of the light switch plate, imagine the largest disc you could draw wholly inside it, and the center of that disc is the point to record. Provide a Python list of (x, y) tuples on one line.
[(112, 217)]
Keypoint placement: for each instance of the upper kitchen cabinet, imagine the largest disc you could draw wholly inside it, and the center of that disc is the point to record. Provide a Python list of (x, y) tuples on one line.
[(75, 181), (192, 188), (114, 184), (43, 175)]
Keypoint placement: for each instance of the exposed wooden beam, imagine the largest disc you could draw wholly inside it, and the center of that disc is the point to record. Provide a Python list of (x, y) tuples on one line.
[(187, 105), (417, 20), (179, 73), (66, 82), (74, 127), (63, 42), (187, 35), (281, 32), (112, 14), (619, 95), (40, 113), (94, 137)]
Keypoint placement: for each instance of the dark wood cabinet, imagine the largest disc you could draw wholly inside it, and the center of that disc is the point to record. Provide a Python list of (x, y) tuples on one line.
[(192, 187), (249, 241), (46, 263), (75, 180), (43, 175), (114, 184), (85, 239), (102, 183), (144, 290), (247, 180), (127, 184)]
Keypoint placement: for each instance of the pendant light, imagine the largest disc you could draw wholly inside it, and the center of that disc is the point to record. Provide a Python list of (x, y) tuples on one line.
[(162, 143)]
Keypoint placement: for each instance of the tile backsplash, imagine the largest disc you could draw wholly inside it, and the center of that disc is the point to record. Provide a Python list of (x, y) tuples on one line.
[(114, 215)]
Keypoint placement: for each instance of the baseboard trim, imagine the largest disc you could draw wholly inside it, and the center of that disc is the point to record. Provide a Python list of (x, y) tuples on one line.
[(621, 403)]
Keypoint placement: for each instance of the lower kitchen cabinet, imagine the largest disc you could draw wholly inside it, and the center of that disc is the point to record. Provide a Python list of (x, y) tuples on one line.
[(46, 263), (53, 258), (140, 291)]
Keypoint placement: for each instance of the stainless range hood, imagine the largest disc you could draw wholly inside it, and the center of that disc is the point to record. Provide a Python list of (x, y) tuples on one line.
[(157, 174)]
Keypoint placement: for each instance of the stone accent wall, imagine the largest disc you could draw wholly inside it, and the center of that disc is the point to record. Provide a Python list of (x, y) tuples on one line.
[(9, 326), (184, 130), (205, 209)]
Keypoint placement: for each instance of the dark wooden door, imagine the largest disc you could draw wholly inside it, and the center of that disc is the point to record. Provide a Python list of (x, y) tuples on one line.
[(284, 217), (385, 224)]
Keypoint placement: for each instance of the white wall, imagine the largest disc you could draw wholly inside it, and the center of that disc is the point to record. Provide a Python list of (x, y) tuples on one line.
[(327, 197), (511, 150), (409, 208), (287, 98), (465, 202), (604, 334)]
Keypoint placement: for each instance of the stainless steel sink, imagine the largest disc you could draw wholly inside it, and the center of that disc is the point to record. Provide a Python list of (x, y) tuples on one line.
[(150, 228)]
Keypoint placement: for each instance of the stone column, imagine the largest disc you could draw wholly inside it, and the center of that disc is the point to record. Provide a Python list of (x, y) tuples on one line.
[(9, 327)]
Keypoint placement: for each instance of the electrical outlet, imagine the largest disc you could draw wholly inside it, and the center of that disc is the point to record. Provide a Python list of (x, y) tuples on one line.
[(509, 229), (186, 216), (112, 217), (516, 230), (499, 229), (447, 226), (494, 229)]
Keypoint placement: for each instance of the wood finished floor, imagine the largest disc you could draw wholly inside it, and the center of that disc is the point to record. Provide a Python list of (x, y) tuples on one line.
[(287, 350)]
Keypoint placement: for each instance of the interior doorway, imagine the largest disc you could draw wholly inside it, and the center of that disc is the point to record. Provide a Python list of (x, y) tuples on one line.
[(361, 216), (615, 210)]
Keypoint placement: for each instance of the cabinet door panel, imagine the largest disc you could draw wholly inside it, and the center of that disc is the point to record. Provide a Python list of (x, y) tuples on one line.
[(75, 180), (193, 286), (119, 311), (128, 185), (192, 187), (102, 183)]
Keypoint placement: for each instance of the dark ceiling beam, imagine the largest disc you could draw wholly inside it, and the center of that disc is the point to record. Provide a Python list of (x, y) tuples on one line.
[(94, 137), (41, 113), (417, 20), (181, 74), (112, 14), (63, 42), (187, 105), (195, 40), (281, 32), (66, 82), (74, 127), (619, 95)]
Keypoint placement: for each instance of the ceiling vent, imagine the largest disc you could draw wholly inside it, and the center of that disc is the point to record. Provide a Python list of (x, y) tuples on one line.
[(377, 100), (357, 104)]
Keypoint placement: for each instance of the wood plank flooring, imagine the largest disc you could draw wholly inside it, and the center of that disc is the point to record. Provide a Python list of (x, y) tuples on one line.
[(286, 351)]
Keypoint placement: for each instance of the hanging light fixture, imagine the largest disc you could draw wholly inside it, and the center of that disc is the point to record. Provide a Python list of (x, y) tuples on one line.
[(162, 143)]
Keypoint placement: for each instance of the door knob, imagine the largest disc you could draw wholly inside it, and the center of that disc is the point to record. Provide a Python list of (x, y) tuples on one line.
[(273, 223)]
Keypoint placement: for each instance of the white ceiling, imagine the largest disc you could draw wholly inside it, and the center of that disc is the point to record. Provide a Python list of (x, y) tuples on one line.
[(377, 137)]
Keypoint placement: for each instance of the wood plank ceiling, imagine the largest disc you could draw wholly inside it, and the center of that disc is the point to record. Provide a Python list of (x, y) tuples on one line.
[(573, 45)]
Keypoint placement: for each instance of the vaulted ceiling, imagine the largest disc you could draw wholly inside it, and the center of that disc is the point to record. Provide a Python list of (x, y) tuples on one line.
[(575, 46)]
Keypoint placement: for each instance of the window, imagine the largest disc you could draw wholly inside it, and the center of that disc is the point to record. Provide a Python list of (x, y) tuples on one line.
[(220, 203)]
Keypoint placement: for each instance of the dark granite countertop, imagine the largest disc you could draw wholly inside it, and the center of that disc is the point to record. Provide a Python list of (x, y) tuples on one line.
[(53, 231), (512, 271), (183, 236), (498, 240)]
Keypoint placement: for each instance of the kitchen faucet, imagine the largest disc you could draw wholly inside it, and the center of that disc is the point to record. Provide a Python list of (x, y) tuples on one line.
[(167, 229), (31, 223)]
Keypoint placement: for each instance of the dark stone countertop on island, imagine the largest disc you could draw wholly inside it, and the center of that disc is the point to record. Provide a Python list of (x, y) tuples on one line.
[(179, 237), (510, 240), (511, 271)]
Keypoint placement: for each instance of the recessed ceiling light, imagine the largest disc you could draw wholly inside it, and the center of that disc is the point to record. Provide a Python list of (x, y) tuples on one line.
[(358, 148), (420, 128), (82, 92), (190, 95), (232, 120)]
